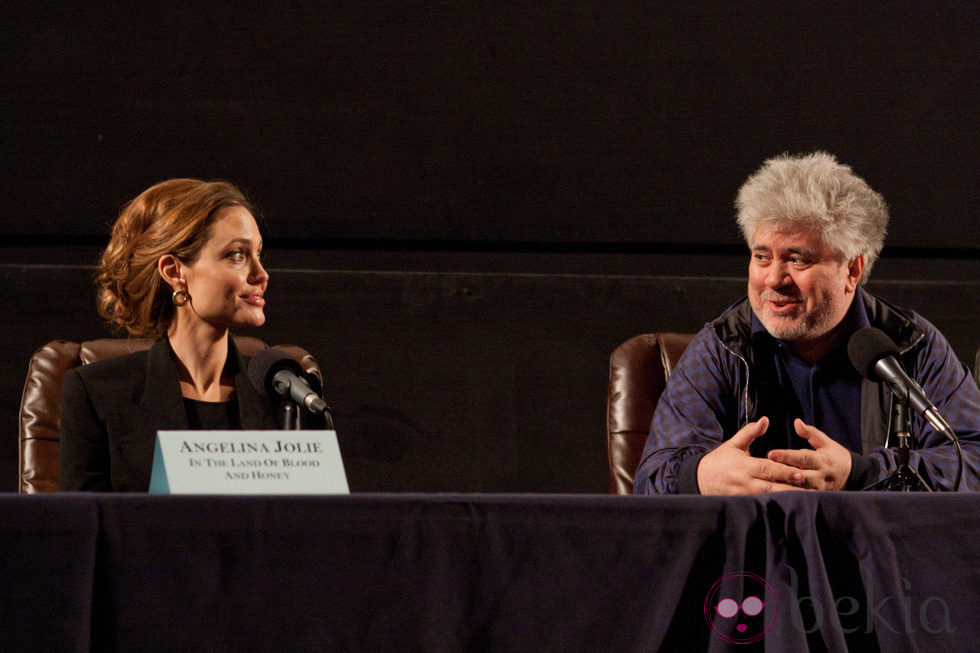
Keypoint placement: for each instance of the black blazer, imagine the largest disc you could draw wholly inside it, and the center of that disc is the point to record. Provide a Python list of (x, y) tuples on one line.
[(112, 409)]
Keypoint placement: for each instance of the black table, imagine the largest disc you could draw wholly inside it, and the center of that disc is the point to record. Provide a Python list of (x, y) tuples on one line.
[(836, 571)]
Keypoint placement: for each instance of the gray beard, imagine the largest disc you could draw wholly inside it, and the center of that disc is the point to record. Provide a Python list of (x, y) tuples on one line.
[(813, 324)]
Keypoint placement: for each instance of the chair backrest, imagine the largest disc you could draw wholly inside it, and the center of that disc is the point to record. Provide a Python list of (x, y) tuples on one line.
[(638, 372), (40, 405), (976, 367)]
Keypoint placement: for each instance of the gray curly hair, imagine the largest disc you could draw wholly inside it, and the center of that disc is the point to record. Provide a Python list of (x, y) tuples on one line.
[(815, 192)]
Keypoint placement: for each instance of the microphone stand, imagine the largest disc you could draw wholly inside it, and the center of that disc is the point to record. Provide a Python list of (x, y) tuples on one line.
[(290, 414), (905, 478)]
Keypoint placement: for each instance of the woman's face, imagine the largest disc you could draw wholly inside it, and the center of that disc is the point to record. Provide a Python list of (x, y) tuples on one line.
[(227, 282)]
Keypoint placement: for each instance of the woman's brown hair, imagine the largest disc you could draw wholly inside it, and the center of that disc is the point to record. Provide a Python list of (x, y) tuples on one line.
[(172, 217)]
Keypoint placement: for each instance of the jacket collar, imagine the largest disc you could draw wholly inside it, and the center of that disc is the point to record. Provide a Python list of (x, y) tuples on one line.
[(161, 391), (734, 326), (162, 396)]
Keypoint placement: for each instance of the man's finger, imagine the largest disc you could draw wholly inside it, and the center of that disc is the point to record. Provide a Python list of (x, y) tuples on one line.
[(780, 487), (745, 435), (777, 472), (798, 458), (811, 434)]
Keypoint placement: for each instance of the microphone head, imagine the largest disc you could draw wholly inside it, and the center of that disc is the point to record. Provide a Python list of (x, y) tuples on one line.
[(866, 347), (266, 364)]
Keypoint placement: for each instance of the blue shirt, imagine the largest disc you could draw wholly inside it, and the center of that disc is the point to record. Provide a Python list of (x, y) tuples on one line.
[(826, 395)]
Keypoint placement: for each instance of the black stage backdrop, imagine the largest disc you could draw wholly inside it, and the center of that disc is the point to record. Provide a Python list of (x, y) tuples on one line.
[(581, 121)]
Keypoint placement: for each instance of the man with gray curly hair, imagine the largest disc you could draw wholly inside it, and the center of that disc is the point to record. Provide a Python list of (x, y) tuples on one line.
[(765, 397)]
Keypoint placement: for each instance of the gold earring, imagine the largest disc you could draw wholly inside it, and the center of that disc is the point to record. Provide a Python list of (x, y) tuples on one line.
[(179, 297)]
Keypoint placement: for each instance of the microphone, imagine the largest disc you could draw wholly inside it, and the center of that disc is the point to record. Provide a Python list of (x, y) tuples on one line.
[(273, 372), (875, 356)]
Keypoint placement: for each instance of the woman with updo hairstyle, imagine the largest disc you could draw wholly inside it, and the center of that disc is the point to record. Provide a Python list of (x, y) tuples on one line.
[(183, 265), (172, 217)]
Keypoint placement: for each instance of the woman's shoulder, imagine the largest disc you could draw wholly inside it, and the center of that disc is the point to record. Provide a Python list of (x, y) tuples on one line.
[(102, 384), (116, 369)]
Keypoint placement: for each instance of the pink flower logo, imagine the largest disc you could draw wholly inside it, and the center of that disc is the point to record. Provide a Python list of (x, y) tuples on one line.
[(741, 607)]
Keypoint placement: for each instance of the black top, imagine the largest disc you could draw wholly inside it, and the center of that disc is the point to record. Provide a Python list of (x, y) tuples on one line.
[(212, 415)]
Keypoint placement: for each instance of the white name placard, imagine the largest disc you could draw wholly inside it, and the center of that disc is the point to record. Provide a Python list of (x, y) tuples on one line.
[(248, 462)]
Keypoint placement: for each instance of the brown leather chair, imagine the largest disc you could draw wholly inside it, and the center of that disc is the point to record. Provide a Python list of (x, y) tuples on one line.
[(40, 405), (976, 367), (638, 372)]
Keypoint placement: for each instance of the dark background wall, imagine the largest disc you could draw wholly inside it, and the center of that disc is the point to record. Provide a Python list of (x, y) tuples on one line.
[(468, 205)]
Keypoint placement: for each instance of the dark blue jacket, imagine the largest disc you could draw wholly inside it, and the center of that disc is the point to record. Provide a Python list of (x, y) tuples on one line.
[(720, 384)]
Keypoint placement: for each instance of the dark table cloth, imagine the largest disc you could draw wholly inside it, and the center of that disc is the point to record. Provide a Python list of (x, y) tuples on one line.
[(836, 571)]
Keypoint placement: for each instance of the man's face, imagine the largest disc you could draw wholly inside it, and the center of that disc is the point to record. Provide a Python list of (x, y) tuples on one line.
[(799, 287)]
